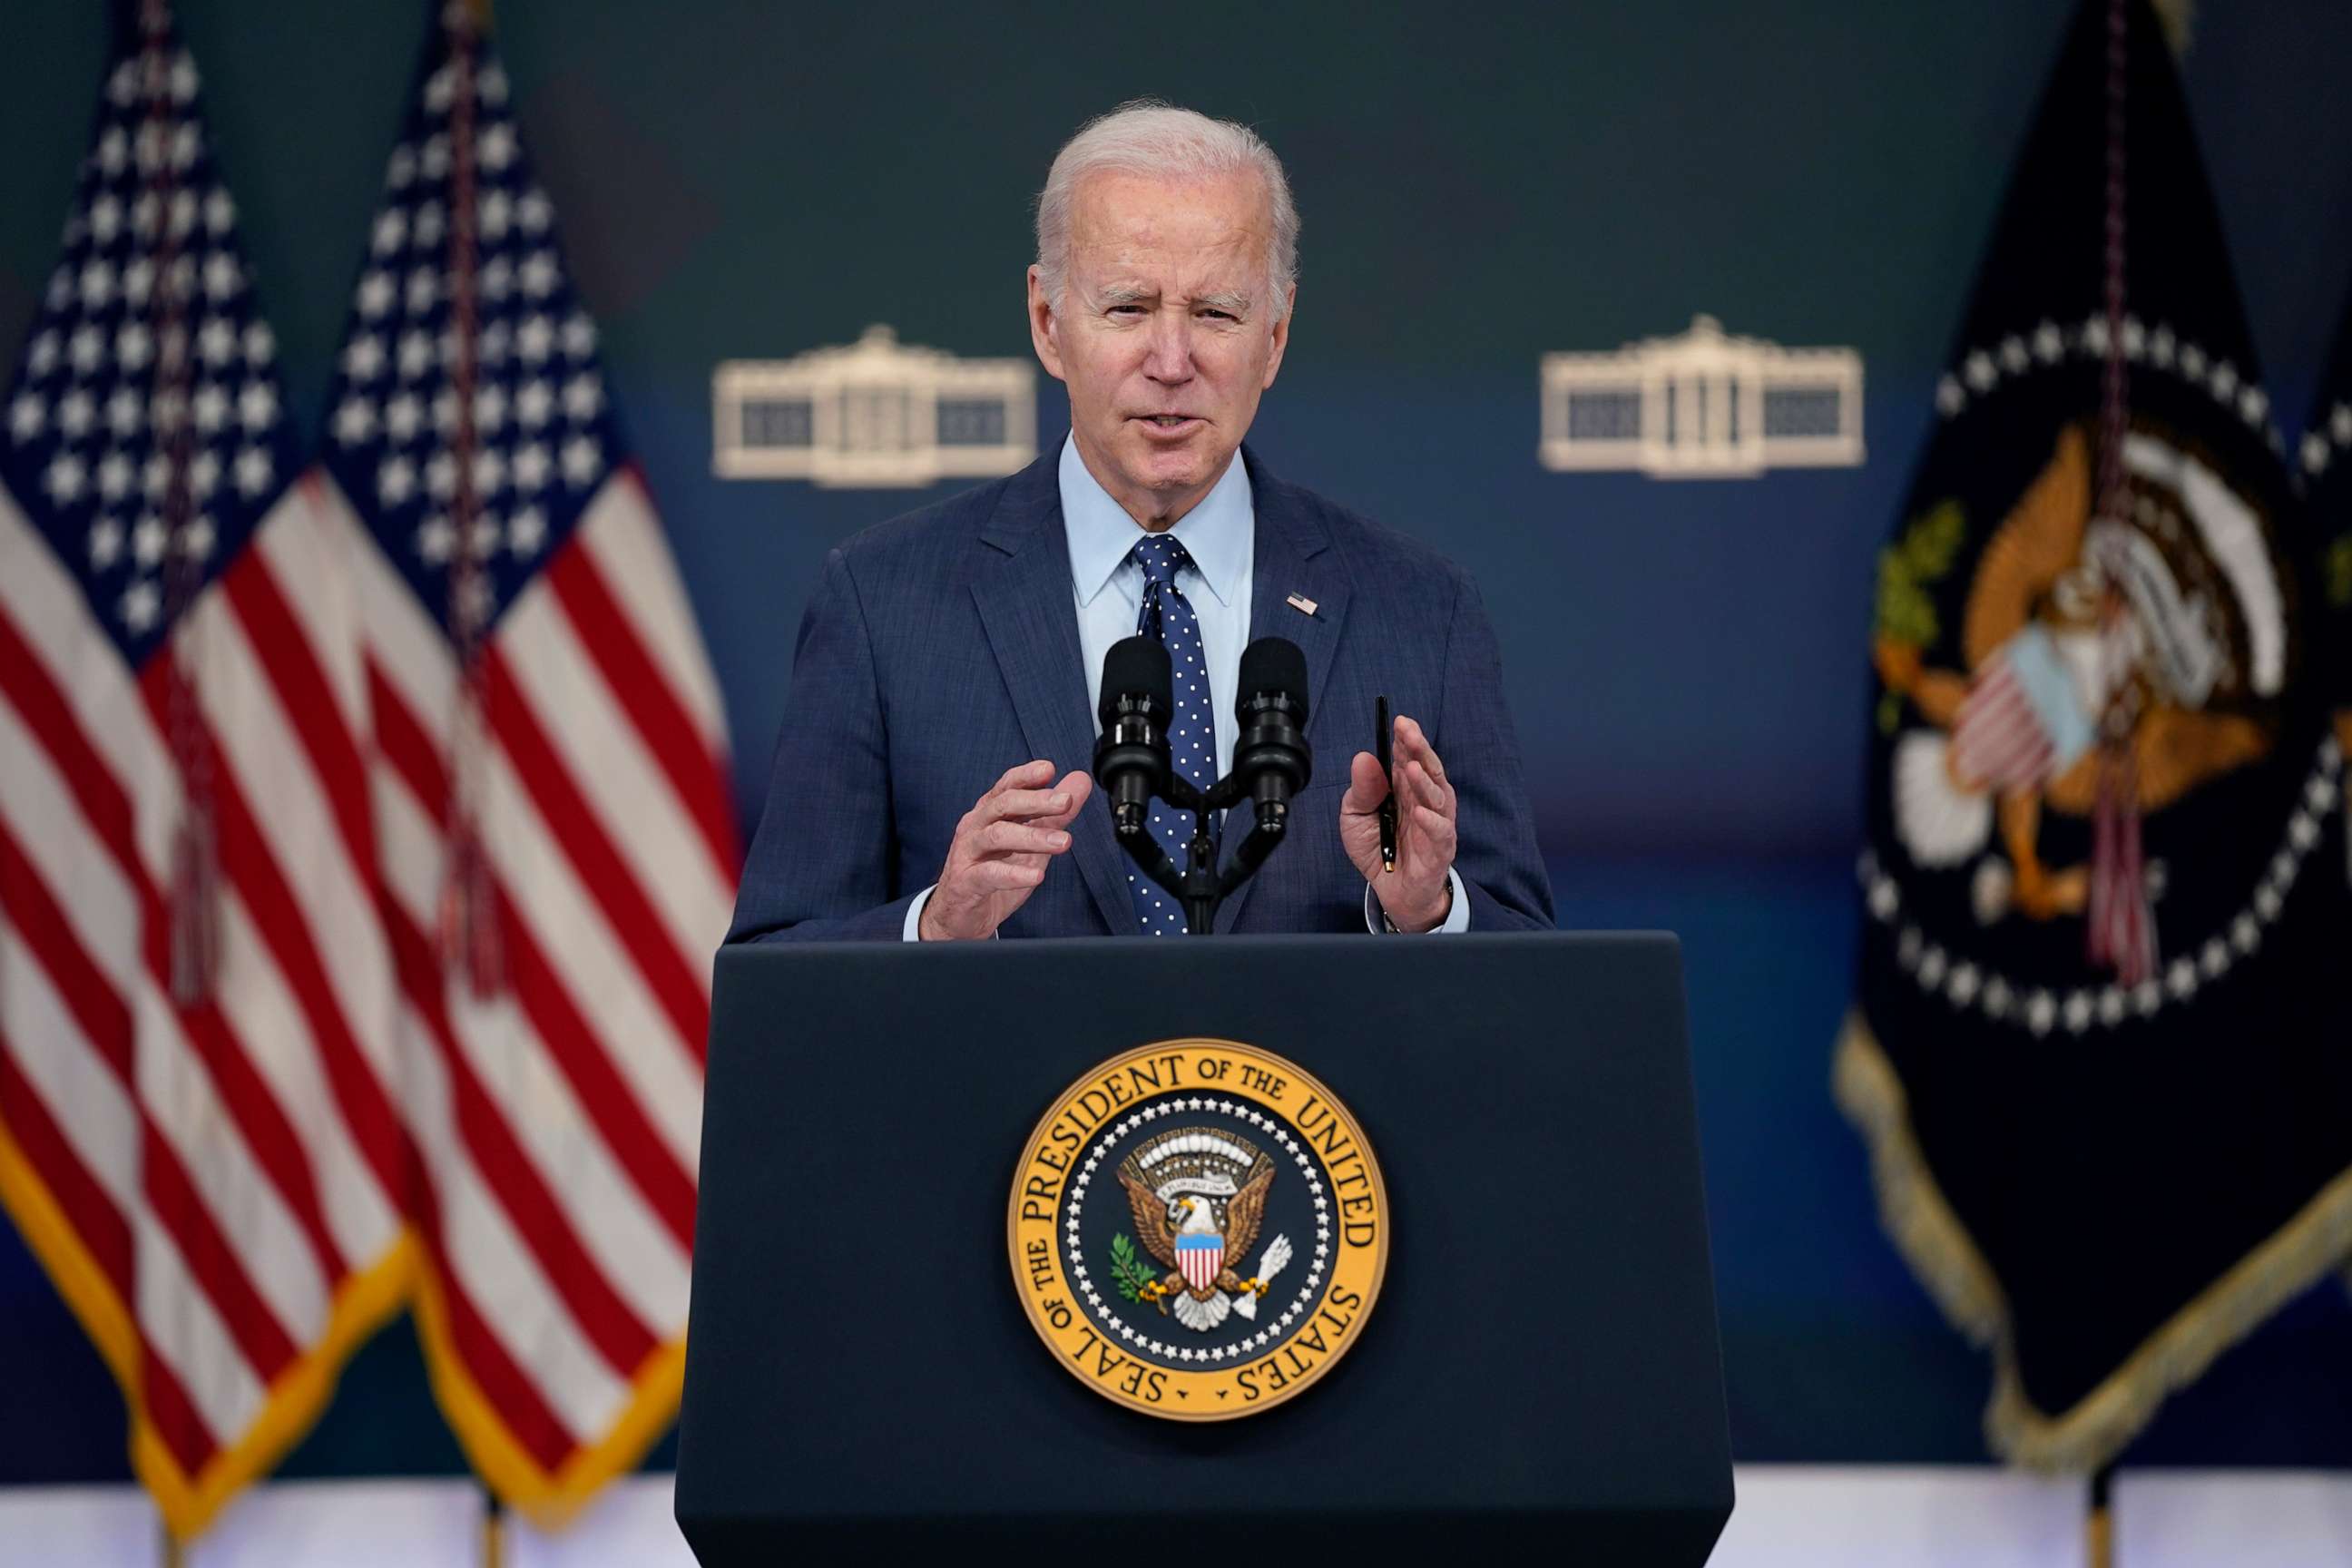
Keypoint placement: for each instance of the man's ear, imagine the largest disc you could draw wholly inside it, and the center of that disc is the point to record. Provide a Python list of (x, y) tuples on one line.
[(1281, 336), (1044, 326)]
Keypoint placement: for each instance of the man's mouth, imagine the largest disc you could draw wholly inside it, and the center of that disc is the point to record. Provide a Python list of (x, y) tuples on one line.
[(1166, 421)]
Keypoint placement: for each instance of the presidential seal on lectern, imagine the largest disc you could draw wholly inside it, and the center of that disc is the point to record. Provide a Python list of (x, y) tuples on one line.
[(1198, 1229)]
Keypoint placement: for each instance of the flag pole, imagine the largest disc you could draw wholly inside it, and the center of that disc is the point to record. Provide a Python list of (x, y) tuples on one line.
[(2099, 1524), (494, 1530), (172, 1554)]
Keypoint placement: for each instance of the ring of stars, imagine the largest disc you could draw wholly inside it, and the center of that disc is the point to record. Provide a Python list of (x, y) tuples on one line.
[(1965, 984), (1984, 370)]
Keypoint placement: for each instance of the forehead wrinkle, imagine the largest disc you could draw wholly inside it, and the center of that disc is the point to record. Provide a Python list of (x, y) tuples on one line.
[(1237, 301)]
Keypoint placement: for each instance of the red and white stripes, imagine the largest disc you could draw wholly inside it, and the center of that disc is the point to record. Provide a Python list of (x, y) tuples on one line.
[(234, 1179), (231, 1171), (556, 1120)]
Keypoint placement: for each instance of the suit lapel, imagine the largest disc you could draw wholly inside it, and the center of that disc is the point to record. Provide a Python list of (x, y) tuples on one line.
[(1292, 555), (1027, 610)]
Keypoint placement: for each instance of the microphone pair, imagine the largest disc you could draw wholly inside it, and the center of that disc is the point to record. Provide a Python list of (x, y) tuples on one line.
[(1271, 762)]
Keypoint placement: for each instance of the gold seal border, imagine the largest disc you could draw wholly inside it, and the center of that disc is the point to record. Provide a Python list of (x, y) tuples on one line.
[(1204, 1381)]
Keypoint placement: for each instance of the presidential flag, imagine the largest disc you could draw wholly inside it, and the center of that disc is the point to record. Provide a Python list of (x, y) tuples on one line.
[(197, 1136), (557, 853), (2097, 1047)]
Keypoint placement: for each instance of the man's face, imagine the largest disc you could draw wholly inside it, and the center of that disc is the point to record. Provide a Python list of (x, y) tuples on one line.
[(1166, 332)]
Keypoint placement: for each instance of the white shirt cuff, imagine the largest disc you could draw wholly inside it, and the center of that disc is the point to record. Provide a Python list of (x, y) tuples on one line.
[(911, 931), (1457, 918)]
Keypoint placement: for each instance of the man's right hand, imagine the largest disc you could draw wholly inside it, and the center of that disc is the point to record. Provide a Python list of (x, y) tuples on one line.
[(1001, 852)]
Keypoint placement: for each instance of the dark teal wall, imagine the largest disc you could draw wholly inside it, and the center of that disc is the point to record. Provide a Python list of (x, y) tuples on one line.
[(1480, 185)]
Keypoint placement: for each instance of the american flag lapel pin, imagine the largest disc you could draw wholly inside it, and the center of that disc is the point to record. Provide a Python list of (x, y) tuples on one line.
[(1302, 604)]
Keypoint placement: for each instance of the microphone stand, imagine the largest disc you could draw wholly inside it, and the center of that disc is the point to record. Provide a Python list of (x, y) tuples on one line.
[(1201, 887)]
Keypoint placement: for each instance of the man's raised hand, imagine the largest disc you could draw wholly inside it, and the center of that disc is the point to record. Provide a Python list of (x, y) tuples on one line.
[(1419, 894), (1001, 850)]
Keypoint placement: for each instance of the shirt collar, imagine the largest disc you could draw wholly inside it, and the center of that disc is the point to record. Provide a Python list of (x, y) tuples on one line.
[(1218, 534)]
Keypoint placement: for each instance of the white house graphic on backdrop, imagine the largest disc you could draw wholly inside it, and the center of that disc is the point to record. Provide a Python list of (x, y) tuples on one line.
[(872, 414), (1701, 406)]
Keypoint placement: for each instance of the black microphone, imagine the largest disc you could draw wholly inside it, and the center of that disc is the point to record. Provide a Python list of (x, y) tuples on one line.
[(1271, 703), (1131, 756)]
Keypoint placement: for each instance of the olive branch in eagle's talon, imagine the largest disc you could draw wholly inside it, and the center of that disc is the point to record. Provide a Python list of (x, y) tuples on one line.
[(1132, 1276)]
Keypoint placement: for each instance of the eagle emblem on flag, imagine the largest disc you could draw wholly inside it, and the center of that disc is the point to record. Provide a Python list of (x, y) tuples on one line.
[(2163, 631), (1199, 1197)]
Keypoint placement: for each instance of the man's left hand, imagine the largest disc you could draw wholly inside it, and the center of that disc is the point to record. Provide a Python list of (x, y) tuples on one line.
[(1418, 895)]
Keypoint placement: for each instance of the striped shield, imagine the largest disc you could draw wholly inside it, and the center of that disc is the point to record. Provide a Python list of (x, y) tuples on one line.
[(1200, 1257), (2025, 720)]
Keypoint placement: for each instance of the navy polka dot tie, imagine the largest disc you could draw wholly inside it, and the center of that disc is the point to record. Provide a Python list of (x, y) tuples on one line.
[(1191, 732)]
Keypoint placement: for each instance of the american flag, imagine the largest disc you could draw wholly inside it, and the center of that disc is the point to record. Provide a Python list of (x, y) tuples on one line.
[(557, 849), (197, 1133)]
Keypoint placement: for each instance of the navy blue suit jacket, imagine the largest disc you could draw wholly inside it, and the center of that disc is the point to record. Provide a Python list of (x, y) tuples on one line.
[(942, 649)]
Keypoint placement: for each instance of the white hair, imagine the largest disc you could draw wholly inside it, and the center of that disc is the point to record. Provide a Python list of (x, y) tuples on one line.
[(1161, 141)]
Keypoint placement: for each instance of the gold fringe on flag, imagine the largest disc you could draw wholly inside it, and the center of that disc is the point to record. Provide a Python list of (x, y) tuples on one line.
[(1940, 1251)]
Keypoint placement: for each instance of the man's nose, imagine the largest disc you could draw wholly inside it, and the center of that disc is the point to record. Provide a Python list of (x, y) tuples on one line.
[(1169, 358)]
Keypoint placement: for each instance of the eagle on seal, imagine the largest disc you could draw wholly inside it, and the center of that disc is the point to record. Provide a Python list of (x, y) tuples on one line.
[(1199, 1198)]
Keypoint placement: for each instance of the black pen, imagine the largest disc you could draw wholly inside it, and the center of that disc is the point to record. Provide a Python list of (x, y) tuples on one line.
[(1388, 804)]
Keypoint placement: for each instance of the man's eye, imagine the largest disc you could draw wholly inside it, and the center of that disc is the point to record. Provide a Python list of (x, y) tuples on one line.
[(1221, 315), (1126, 310)]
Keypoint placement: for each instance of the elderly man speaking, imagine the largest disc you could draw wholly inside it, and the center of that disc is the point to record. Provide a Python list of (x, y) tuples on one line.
[(931, 780)]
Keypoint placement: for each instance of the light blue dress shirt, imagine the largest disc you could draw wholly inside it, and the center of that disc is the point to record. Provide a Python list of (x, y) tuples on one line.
[(1219, 534)]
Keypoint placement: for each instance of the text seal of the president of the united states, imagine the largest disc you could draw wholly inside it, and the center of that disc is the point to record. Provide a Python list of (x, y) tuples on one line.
[(1198, 1229)]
